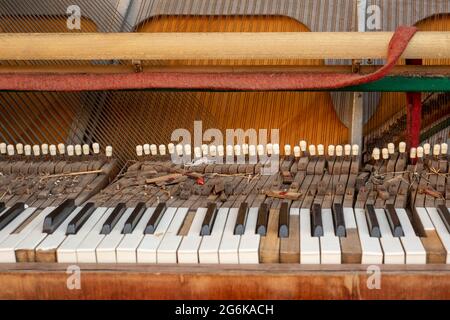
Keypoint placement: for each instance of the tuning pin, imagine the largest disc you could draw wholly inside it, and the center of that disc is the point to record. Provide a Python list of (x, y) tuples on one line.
[(153, 150), (139, 150), (197, 152), (96, 148), (436, 150), (402, 147), (187, 150), (146, 148), (276, 149), (260, 150), (44, 149), (70, 150), (213, 150), (229, 150), (312, 150), (179, 149), (287, 150), (61, 148), (204, 150), (171, 148), (413, 153), (347, 150), (237, 150), (36, 150), (426, 149), (252, 150), (3, 148), (162, 149), (269, 149), (331, 150), (27, 150), (52, 149), (78, 150), (385, 153), (444, 149), (10, 150), (108, 151), (320, 149), (355, 150), (245, 149), (391, 148), (19, 149), (303, 146), (419, 152), (220, 150), (85, 149), (376, 154), (339, 150), (297, 152)]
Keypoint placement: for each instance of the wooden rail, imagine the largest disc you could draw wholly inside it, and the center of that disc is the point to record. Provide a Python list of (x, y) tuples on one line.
[(175, 46), (265, 281)]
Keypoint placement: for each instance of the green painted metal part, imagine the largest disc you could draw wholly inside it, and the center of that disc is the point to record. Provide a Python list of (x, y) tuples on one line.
[(405, 84)]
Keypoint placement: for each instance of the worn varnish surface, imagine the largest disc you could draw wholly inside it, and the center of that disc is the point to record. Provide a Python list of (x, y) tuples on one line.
[(269, 281)]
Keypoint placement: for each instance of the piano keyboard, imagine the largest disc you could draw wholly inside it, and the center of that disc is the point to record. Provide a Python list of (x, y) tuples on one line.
[(319, 209)]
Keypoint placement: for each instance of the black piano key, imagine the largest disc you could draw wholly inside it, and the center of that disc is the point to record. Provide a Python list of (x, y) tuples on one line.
[(445, 215), (11, 214), (156, 217), (2, 206), (113, 218), (239, 227), (134, 218), (283, 221), (372, 222), (81, 217), (58, 215), (394, 222), (316, 220), (339, 222), (261, 222), (209, 220)]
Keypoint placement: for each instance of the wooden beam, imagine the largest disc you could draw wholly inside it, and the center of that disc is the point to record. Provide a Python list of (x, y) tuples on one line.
[(400, 70), (263, 281), (175, 46)]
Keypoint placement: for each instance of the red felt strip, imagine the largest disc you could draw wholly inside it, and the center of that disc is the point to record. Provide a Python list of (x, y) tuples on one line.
[(258, 81)]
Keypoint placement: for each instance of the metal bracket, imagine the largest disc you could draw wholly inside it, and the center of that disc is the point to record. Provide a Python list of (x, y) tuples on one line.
[(137, 66), (356, 66)]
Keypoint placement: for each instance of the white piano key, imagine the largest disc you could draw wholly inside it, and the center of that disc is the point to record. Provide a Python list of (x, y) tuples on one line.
[(370, 246), (188, 250), (414, 250), (126, 250), (106, 249), (12, 225), (209, 248), (8, 245), (146, 252), (349, 218), (33, 239), (53, 241), (441, 230), (425, 218), (86, 249), (167, 250), (309, 245), (392, 248), (67, 251), (249, 243), (330, 248), (229, 246)]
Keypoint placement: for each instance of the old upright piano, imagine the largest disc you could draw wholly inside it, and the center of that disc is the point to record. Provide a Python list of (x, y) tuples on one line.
[(224, 149)]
